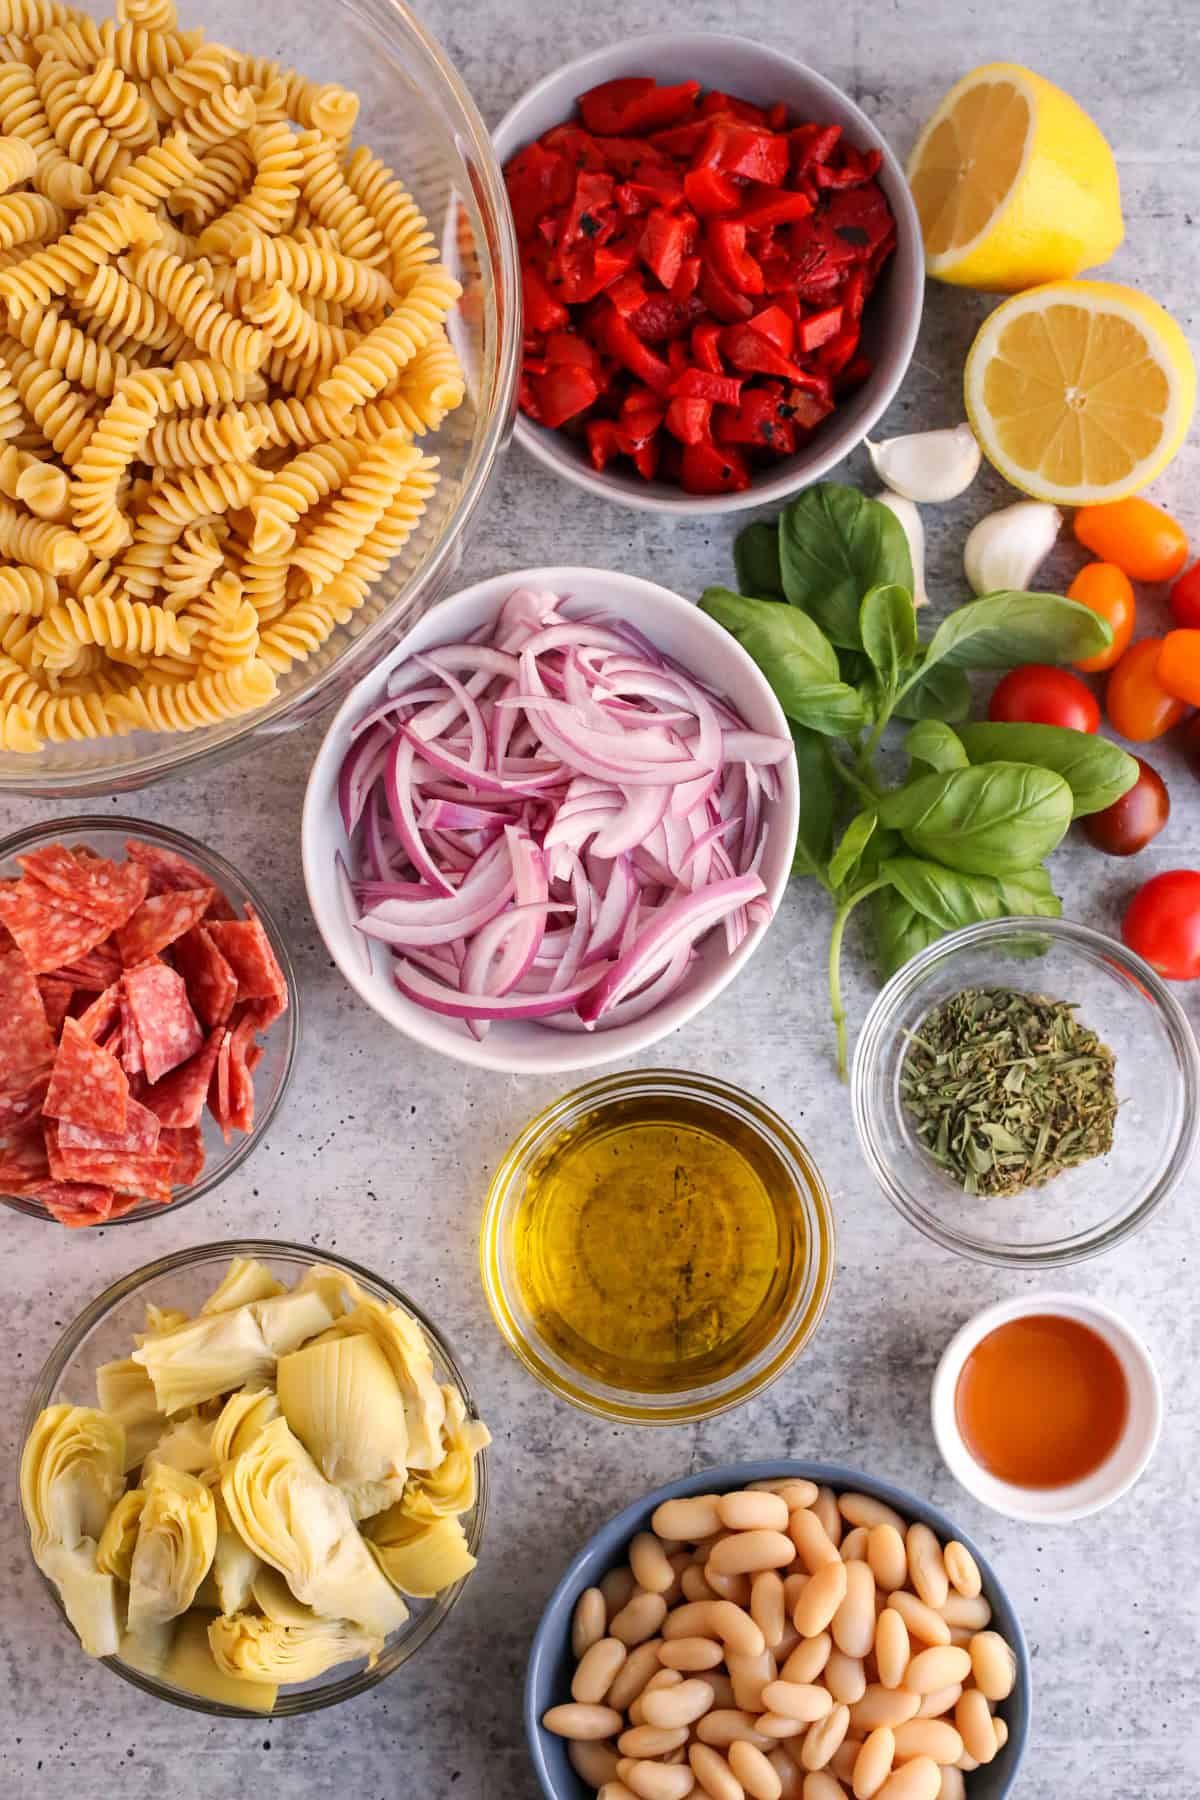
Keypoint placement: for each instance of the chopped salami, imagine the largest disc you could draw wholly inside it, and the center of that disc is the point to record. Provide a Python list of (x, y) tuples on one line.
[(211, 983), (168, 1029), (87, 1084), (178, 1099), (75, 1203), (56, 995), (139, 1138), (22, 1160), (187, 1146), (159, 920), (48, 936), (169, 872), (97, 970), (100, 889), (218, 1091), (241, 1084), (26, 1040), (101, 1014), (21, 1109), (247, 949)]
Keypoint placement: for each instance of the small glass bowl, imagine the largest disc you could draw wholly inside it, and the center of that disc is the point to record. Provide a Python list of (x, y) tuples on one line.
[(1087, 1209), (799, 1318), (104, 1332), (106, 836)]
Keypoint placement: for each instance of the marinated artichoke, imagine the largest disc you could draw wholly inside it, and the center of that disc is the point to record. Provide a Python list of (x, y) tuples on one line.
[(419, 1556), (244, 1280), (259, 1649), (342, 1400), (124, 1390), (177, 1536)]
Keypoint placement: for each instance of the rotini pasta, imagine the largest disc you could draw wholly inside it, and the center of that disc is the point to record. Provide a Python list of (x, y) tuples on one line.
[(287, 325), (357, 508), (200, 442), (41, 486), (78, 129), (117, 440), (18, 160), (41, 545), (210, 697), (108, 619), (22, 115), (270, 204), (225, 113), (191, 566), (379, 358), (71, 351), (28, 218), (408, 238), (220, 179), (29, 592), (118, 104), (110, 227), (310, 269), (183, 293)]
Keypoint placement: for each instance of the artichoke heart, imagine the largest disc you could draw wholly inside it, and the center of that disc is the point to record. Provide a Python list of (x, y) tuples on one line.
[(235, 1567), (222, 1351), (240, 1420), (244, 1280), (403, 1344), (189, 1665), (149, 1648), (186, 1445), (419, 1556), (72, 1474), (285, 1511), (160, 1322), (450, 1487), (114, 1552), (126, 1391), (257, 1649), (88, 1595), (343, 1403), (176, 1539)]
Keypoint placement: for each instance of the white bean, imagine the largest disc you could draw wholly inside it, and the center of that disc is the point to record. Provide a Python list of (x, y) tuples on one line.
[(639, 1619), (846, 1676), (767, 1606), (993, 1664), (873, 1763), (893, 1652), (693, 1585), (922, 1621), (584, 1722), (618, 1588), (814, 1546), (663, 1678), (854, 1621), (794, 1490), (920, 1779), (587, 1621), (825, 1506), (691, 1654), (750, 1674), (791, 1778), (820, 1785), (593, 1762), (714, 1774), (598, 1669), (926, 1565), (727, 1725), (844, 1758), (722, 1689), (973, 1718), (688, 1520), (820, 1599), (650, 1564), (863, 1509), (754, 1772), (808, 1658), (824, 1738), (854, 1544), (639, 1667), (735, 1588), (779, 1727), (887, 1556), (937, 1668), (928, 1737), (746, 1552), (719, 1619), (953, 1786), (753, 1511), (649, 1741), (963, 1570), (1001, 1728), (798, 1700), (942, 1700), (883, 1706), (658, 1781), (681, 1705)]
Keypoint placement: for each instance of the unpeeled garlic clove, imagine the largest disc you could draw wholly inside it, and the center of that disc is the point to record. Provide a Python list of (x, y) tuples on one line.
[(1007, 547), (928, 465), (914, 531)]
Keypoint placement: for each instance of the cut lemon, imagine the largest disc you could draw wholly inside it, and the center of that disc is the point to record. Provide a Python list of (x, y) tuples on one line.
[(1014, 184), (1080, 391)]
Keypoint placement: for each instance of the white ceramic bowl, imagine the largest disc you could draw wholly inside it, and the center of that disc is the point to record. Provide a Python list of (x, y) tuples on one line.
[(676, 627), (758, 73), (1115, 1476)]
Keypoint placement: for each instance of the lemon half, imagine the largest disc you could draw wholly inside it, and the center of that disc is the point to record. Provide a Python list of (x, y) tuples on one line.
[(1080, 391), (1014, 184)]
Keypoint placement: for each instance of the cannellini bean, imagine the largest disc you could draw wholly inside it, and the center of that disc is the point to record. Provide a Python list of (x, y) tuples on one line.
[(719, 1619), (961, 1636), (727, 1725), (658, 1781), (798, 1700), (679, 1561), (844, 1758), (824, 1738), (854, 1621), (691, 1654), (808, 1658), (846, 1676), (588, 1621), (862, 1509), (663, 1678), (593, 1762), (887, 1556), (585, 1722), (750, 1674), (925, 1565), (693, 1585), (618, 1588), (854, 1545), (953, 1786), (791, 1778), (713, 1774), (922, 1621), (883, 1706), (728, 1587), (893, 1651), (680, 1705), (973, 1718), (814, 1546), (928, 1737), (753, 1511), (597, 1670), (638, 1620), (943, 1700), (963, 1570), (920, 1779), (650, 1564), (639, 1667), (958, 1609), (937, 1668), (616, 1790), (821, 1598), (794, 1490), (754, 1772), (1001, 1728), (688, 1520), (722, 1689), (873, 1764), (779, 1727), (825, 1507), (966, 1764), (820, 1785), (649, 1741), (993, 1665), (746, 1552), (767, 1606)]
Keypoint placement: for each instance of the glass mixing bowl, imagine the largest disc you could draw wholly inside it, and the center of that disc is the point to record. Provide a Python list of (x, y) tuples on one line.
[(104, 1332), (418, 116)]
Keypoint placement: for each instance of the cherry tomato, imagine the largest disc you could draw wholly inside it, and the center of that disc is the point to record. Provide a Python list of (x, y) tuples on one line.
[(1106, 590), (1162, 924), (1128, 825), (1137, 706), (1184, 598), (1038, 694), (1178, 666), (1136, 535)]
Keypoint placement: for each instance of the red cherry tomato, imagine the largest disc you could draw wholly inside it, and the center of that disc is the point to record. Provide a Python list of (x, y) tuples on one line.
[(1038, 694), (1184, 599), (1128, 825), (1163, 924), (1139, 707)]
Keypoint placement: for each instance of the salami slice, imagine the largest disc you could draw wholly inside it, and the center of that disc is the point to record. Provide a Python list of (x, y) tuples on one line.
[(74, 1203), (218, 1089), (168, 871), (98, 1018), (159, 920), (87, 1084), (241, 1084), (187, 1146), (23, 1159), (247, 949), (167, 1028), (21, 1109), (178, 1099), (26, 1040), (139, 1138), (48, 936), (100, 889), (211, 983), (56, 995), (95, 971)]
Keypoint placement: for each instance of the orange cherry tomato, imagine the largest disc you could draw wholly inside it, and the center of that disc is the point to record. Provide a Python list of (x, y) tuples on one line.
[(1178, 666), (1139, 708), (1107, 591), (1184, 598), (1136, 535)]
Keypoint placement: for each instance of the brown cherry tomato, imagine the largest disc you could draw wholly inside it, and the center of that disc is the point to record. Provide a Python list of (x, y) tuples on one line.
[(1136, 535), (1137, 706), (1163, 924), (1178, 666), (1039, 694), (1184, 598), (1107, 591), (1128, 825)]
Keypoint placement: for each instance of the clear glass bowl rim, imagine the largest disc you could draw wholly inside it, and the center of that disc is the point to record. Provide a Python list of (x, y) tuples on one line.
[(204, 858), (879, 1026), (426, 1623), (504, 1196)]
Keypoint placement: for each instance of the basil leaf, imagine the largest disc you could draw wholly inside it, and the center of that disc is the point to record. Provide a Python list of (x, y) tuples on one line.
[(848, 854), (829, 707), (834, 544), (949, 898), (788, 647), (985, 821), (1012, 627), (887, 621), (756, 559), (1096, 771), (939, 692), (900, 931), (938, 746), (814, 835)]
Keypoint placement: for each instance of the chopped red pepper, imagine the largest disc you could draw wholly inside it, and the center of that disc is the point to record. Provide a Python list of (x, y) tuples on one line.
[(623, 343), (636, 104), (706, 346), (688, 279), (710, 193), (813, 144), (722, 299), (748, 349), (564, 392), (726, 240), (690, 420), (664, 243), (777, 327), (538, 180), (742, 150), (627, 293), (703, 384), (765, 207), (819, 327), (713, 469), (542, 311)]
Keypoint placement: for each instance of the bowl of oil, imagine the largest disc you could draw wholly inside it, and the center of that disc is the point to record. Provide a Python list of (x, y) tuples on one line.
[(657, 1246)]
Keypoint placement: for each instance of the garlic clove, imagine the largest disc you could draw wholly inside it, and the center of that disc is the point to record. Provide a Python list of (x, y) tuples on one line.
[(914, 531), (1005, 549), (928, 465)]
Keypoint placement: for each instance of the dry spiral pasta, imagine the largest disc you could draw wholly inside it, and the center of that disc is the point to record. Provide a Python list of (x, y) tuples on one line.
[(82, 136), (108, 619), (191, 565), (18, 160), (311, 269), (118, 104), (270, 204), (41, 486), (29, 592)]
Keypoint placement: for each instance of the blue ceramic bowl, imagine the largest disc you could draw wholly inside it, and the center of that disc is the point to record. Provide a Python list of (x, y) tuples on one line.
[(548, 1679)]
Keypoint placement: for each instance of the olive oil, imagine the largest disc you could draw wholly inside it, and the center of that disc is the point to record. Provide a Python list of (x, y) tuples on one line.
[(658, 1243)]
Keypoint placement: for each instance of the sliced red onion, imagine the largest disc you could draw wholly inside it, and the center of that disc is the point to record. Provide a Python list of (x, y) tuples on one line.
[(439, 998), (678, 925)]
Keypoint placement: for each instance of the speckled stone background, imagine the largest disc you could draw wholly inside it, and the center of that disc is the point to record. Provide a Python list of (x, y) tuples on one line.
[(384, 1154)]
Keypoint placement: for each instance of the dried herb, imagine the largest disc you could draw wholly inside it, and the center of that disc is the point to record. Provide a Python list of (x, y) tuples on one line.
[(1005, 1089)]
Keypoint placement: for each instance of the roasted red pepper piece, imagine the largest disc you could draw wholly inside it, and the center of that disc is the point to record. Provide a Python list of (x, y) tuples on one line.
[(652, 187), (592, 197), (837, 351), (819, 328), (742, 150), (703, 384), (538, 180), (661, 317), (764, 207), (567, 347), (813, 144), (713, 469), (761, 420), (722, 299), (627, 293), (711, 194), (717, 102), (726, 241), (748, 349), (665, 241), (634, 104), (602, 442), (542, 311), (777, 327), (688, 278), (615, 335), (564, 392), (808, 410)]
